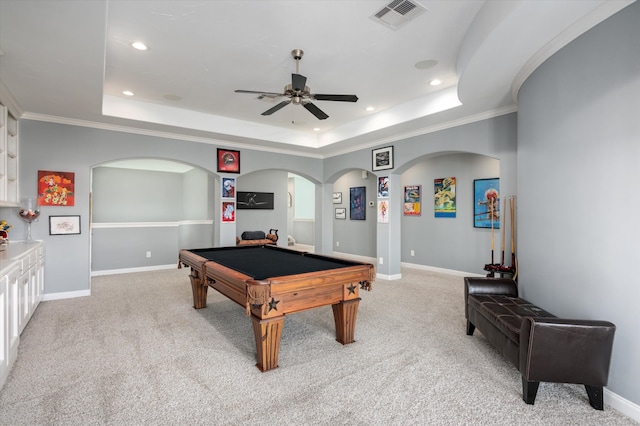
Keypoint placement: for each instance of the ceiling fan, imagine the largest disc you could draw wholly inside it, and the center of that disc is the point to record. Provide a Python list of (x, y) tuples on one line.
[(300, 94)]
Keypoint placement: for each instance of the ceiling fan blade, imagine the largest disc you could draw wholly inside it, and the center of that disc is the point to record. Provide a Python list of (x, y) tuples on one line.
[(298, 82), (277, 107), (340, 98), (320, 115), (260, 93)]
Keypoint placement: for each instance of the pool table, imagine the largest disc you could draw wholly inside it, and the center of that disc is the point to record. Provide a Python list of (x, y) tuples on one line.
[(271, 282)]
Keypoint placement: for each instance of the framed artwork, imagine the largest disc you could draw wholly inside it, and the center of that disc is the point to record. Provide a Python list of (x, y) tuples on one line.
[(55, 188), (64, 225), (228, 161), (228, 187), (337, 198), (383, 211), (228, 211), (383, 187), (444, 199), (255, 200), (382, 158), (412, 200), (341, 213), (486, 203), (358, 203)]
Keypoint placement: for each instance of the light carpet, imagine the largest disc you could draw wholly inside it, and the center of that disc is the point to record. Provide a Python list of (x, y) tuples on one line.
[(136, 353)]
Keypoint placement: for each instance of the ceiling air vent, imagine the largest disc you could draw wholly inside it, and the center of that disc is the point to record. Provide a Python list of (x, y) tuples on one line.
[(398, 13)]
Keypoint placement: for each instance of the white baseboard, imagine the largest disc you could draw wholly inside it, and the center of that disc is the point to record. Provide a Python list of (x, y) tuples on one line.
[(389, 277), (442, 270), (65, 295), (130, 270), (625, 406), (354, 257)]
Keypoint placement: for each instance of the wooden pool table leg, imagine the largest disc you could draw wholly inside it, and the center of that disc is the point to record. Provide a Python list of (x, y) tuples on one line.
[(344, 315), (199, 289), (267, 333)]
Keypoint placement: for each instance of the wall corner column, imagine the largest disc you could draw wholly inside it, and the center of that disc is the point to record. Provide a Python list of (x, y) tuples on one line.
[(388, 246)]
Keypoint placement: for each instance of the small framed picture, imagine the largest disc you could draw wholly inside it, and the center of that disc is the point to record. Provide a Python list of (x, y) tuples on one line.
[(228, 187), (341, 213), (228, 211), (337, 198), (64, 225), (228, 161), (382, 158)]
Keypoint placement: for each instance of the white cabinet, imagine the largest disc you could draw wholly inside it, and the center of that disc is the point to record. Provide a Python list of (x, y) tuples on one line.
[(21, 289), (8, 158)]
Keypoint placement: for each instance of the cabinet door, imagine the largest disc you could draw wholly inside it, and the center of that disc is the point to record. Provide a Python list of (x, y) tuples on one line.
[(23, 309), (4, 329), (11, 333)]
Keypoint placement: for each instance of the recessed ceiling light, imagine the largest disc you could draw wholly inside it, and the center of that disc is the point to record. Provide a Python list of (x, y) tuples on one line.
[(435, 82), (127, 93), (369, 108), (316, 129), (139, 45), (426, 64)]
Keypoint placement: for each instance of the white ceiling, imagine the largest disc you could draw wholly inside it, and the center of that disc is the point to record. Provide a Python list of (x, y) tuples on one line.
[(69, 61)]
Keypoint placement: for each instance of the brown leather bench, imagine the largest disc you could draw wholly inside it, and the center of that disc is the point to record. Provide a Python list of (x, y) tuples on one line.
[(542, 347), (257, 238)]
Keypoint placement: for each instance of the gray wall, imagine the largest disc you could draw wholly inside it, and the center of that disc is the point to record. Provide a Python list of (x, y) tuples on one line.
[(275, 181), (127, 206), (356, 237), (438, 241), (578, 174)]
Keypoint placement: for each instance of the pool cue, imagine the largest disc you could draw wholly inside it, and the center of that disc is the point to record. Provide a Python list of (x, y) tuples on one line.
[(512, 201), (502, 226), (492, 237)]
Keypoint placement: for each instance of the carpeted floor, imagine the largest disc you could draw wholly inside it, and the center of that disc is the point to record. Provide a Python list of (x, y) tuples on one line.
[(136, 352)]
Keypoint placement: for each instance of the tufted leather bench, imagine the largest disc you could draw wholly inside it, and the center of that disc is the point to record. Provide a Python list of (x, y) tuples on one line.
[(542, 347)]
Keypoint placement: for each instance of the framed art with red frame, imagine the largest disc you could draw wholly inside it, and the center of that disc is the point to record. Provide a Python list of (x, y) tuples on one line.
[(228, 161)]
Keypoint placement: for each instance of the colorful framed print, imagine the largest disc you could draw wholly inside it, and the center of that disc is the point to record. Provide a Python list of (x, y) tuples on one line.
[(486, 203), (341, 213), (337, 198), (358, 203), (412, 200), (444, 197), (56, 188), (383, 187), (228, 187), (228, 211), (228, 161), (64, 225), (383, 211), (382, 158)]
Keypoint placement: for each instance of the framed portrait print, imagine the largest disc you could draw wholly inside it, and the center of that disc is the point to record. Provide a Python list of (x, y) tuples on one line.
[(382, 158), (412, 200), (228, 187), (64, 225), (444, 197), (486, 203), (228, 211), (228, 161), (357, 203)]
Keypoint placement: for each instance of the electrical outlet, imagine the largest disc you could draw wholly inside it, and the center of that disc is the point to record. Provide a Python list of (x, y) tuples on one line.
[(337, 243), (381, 261), (413, 253), (148, 254)]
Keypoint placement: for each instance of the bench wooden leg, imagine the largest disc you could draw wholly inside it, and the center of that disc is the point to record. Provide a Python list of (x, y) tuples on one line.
[(529, 391), (470, 328), (595, 396)]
